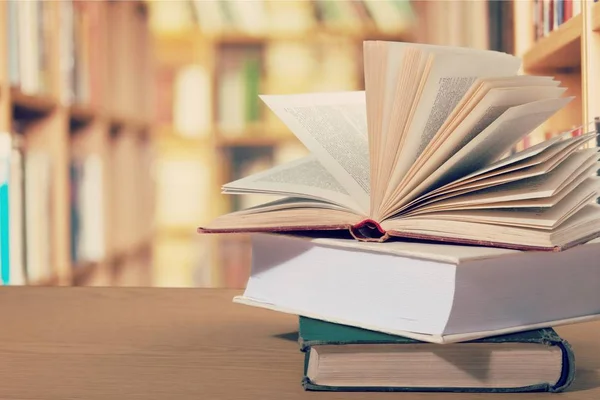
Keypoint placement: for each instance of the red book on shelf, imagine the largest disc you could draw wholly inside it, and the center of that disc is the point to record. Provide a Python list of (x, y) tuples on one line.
[(567, 10), (550, 15)]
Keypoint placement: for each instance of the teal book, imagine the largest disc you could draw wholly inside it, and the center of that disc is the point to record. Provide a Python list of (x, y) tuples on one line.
[(4, 210), (346, 358)]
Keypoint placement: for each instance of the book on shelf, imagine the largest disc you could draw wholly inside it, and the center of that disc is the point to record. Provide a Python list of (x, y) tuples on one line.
[(86, 209), (345, 358), (549, 15), (25, 204), (28, 42), (260, 17), (424, 153), (5, 150), (436, 293), (240, 70)]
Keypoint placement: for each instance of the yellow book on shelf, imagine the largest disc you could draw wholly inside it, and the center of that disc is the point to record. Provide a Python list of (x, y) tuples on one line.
[(422, 153)]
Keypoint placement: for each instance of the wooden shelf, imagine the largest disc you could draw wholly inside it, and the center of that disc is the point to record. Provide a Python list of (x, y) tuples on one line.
[(257, 134), (49, 281), (560, 49), (81, 115), (239, 37), (596, 17), (252, 136), (182, 232), (83, 271), (139, 248), (254, 141), (168, 135), (121, 121), (29, 105)]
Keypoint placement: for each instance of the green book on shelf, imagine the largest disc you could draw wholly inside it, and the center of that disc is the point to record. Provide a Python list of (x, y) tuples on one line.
[(346, 358), (251, 68)]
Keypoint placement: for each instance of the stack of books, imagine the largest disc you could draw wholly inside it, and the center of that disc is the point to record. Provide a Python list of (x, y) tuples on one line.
[(419, 252)]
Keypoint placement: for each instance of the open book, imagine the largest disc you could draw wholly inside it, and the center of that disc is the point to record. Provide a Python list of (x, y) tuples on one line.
[(423, 153)]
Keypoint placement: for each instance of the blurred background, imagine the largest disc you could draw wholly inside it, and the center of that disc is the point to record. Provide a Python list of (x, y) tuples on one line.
[(120, 120)]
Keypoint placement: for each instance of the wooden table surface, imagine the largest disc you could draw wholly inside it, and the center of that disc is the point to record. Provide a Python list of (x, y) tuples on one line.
[(156, 343)]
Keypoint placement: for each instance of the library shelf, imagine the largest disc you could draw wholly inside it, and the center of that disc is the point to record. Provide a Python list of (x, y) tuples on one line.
[(558, 50), (83, 271), (133, 123), (81, 115), (253, 134), (52, 280), (180, 142), (255, 141), (190, 36), (87, 272), (62, 109), (178, 231), (31, 104), (231, 142)]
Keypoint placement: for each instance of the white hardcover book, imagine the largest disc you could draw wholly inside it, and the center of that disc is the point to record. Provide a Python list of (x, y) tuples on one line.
[(431, 292)]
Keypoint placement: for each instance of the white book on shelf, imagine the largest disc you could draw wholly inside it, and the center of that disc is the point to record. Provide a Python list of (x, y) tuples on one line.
[(37, 215), (28, 46), (91, 200), (17, 220), (210, 16), (192, 104)]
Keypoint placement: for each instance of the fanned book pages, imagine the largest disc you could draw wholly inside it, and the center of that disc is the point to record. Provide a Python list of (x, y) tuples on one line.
[(423, 153)]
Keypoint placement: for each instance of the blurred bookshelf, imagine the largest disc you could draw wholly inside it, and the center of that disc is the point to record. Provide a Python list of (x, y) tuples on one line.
[(562, 39), (125, 117), (76, 142), (214, 59)]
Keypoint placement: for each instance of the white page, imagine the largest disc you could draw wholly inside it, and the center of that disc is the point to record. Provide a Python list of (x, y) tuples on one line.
[(554, 150), (491, 107), (289, 203), (396, 53), (544, 218), (492, 143), (450, 77), (467, 199), (391, 104), (333, 126), (305, 177), (526, 203), (538, 154), (526, 158), (530, 188), (506, 177)]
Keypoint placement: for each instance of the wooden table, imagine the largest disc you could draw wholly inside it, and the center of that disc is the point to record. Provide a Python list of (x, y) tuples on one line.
[(154, 343)]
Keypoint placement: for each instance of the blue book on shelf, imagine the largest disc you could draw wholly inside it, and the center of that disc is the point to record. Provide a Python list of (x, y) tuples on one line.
[(4, 209)]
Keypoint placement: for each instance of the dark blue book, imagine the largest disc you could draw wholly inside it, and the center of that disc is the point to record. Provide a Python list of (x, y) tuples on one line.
[(346, 358)]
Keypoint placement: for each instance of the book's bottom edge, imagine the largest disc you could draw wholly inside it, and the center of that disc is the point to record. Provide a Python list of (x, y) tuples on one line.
[(431, 338), (540, 387)]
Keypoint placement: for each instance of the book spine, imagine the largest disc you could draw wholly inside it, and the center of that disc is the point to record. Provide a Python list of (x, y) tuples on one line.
[(568, 10), (368, 230), (5, 152), (568, 363)]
